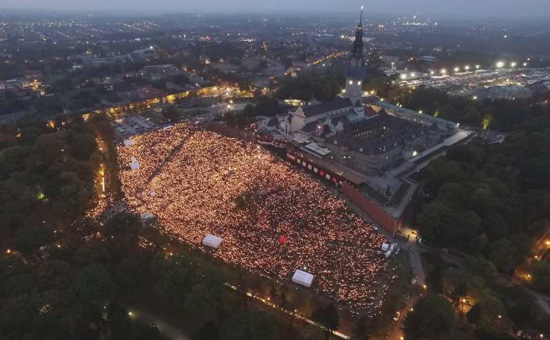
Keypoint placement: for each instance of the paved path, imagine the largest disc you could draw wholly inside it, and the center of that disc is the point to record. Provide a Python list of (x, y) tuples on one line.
[(396, 330), (164, 327), (416, 264), (542, 300)]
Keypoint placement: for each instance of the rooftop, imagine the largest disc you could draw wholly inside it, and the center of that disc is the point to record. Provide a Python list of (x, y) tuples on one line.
[(333, 105)]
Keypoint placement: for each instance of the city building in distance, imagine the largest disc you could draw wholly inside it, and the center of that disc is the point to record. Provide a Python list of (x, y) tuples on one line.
[(360, 132)]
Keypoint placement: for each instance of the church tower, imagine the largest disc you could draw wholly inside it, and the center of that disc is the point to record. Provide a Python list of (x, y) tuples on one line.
[(356, 67)]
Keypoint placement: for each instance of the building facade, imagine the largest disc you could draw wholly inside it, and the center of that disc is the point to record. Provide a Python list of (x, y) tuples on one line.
[(361, 133)]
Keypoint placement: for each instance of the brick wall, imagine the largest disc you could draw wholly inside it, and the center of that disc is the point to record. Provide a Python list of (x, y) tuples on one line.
[(374, 211)]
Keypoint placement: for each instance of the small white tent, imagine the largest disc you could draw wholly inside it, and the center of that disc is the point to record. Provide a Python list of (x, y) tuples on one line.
[(135, 164), (302, 278), (212, 241), (145, 216), (128, 142), (385, 247)]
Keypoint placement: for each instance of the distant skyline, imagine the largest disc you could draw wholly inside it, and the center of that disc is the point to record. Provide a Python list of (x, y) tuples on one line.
[(463, 9)]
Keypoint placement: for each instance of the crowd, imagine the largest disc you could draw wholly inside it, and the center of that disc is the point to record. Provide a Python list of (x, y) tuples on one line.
[(273, 219)]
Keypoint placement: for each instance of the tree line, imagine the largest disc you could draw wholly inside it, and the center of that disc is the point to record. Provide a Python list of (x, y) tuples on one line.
[(493, 200)]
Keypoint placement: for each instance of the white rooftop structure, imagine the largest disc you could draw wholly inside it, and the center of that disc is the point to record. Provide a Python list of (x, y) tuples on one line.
[(385, 247), (212, 241), (317, 149), (302, 278), (135, 164), (128, 142)]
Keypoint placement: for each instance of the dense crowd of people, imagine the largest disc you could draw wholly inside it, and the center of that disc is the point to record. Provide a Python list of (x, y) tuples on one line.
[(273, 219)]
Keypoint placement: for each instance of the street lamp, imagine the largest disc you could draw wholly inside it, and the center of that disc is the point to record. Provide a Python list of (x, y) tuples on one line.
[(467, 67), (500, 64), (457, 69), (513, 64), (477, 67), (443, 71)]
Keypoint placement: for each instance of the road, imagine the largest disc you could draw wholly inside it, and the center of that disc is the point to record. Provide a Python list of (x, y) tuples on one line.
[(416, 264), (396, 331), (164, 327)]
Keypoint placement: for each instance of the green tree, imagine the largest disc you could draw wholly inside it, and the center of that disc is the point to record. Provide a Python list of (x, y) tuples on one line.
[(55, 274), (208, 331), (173, 280), (432, 318), (27, 240), (93, 283), (435, 276), (541, 276), (490, 316), (119, 322), (250, 325), (123, 227), (482, 268), (327, 315), (502, 254), (434, 219)]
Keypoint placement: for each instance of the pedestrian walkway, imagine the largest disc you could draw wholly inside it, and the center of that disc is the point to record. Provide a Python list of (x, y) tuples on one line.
[(416, 265), (164, 327)]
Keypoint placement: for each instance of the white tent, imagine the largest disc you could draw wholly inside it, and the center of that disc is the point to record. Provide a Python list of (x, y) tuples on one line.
[(128, 142), (302, 278), (135, 164), (145, 216), (212, 241), (385, 247)]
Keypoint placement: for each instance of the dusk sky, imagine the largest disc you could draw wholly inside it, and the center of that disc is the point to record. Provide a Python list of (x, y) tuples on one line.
[(445, 8)]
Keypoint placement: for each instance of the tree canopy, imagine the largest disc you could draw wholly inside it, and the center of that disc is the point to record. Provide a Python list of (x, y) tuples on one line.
[(432, 318)]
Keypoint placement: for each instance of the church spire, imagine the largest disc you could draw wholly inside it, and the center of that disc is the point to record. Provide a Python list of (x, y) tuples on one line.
[(356, 67), (357, 47)]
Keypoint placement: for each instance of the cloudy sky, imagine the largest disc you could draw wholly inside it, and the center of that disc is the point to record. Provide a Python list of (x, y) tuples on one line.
[(443, 8)]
